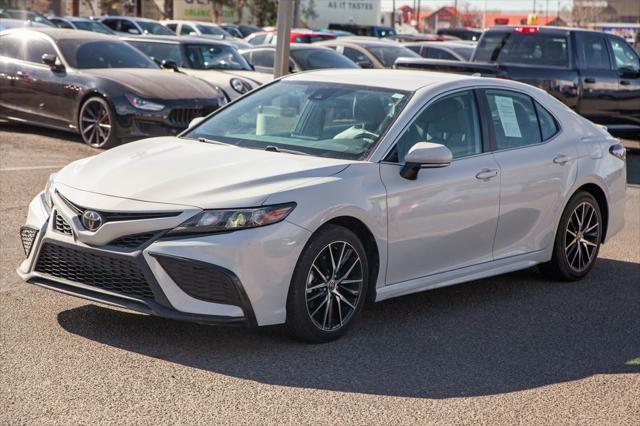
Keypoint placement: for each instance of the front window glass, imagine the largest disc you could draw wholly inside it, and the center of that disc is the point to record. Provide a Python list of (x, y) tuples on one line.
[(388, 54), (159, 51), (321, 119), (313, 59), (96, 27), (452, 121), (212, 30), (154, 28), (514, 119), (626, 59), (103, 54), (218, 57), (594, 52), (36, 47)]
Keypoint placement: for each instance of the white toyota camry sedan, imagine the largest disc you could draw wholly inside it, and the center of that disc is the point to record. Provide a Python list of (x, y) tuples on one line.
[(320, 191)]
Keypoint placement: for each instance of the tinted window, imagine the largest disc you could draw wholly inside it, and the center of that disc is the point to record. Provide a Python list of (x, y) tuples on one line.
[(464, 51), (263, 58), (311, 59), (172, 26), (524, 48), (452, 121), (61, 23), (150, 27), (322, 119), (414, 48), (186, 29), (215, 57), (159, 51), (103, 54), (357, 57), (514, 119), (11, 46), (594, 52), (259, 39), (626, 58), (36, 47), (435, 53), (388, 54), (128, 27), (548, 125), (94, 26), (212, 30), (111, 23)]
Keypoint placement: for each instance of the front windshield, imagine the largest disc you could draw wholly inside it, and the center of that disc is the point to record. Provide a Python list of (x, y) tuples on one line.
[(212, 30), (97, 27), (322, 119), (154, 28), (388, 54), (159, 51), (103, 54), (215, 57)]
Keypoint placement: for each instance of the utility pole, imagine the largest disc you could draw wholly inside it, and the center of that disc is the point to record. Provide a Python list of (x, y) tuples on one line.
[(455, 18), (393, 15), (285, 19), (418, 21)]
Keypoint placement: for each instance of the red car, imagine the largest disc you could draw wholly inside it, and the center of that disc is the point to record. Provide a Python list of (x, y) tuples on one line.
[(297, 36)]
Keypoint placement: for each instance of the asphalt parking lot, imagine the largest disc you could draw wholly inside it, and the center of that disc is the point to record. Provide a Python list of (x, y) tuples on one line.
[(514, 349)]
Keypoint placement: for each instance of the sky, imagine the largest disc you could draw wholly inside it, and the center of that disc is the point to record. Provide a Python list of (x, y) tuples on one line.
[(503, 5)]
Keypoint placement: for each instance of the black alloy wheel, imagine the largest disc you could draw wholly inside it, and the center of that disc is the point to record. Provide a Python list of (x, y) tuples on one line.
[(97, 123)]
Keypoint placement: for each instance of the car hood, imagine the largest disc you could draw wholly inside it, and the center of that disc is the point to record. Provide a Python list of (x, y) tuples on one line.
[(153, 83), (171, 170), (224, 76)]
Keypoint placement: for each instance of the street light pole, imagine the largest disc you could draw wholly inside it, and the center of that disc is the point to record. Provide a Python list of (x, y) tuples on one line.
[(285, 19)]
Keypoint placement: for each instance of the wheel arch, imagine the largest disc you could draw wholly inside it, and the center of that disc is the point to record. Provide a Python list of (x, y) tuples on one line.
[(368, 240), (93, 93), (601, 197)]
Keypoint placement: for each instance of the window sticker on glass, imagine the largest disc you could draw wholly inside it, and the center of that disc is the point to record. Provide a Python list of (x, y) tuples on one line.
[(508, 117)]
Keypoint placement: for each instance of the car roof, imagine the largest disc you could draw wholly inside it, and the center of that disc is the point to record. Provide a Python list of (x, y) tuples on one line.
[(542, 29), (440, 43), (64, 34), (292, 46), (362, 41), (175, 39), (407, 80), (129, 18)]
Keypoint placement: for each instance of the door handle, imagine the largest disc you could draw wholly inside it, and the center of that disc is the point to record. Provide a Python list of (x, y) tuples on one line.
[(486, 174), (561, 159), (589, 80), (625, 82)]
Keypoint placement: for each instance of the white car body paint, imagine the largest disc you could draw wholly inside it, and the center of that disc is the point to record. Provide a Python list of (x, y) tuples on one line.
[(443, 228)]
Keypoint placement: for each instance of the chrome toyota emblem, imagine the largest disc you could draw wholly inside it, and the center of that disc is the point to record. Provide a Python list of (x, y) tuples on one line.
[(91, 220)]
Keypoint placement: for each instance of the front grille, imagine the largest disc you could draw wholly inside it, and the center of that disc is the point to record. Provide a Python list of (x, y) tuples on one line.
[(154, 128), (117, 274), (61, 225), (132, 241), (27, 236), (182, 116), (201, 281), (118, 216)]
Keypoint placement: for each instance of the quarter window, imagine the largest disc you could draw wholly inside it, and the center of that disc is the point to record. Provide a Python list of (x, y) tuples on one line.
[(548, 124), (452, 121), (514, 119)]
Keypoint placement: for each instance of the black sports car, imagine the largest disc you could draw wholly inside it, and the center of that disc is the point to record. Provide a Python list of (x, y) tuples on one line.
[(96, 85)]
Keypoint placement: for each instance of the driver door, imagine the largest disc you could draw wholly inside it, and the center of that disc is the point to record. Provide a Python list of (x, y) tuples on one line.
[(445, 219)]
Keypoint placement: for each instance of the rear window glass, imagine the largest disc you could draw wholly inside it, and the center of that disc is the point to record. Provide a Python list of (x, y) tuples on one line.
[(524, 48)]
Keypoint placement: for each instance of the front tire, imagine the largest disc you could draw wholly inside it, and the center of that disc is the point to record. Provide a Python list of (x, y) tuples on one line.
[(96, 123), (329, 286), (578, 239)]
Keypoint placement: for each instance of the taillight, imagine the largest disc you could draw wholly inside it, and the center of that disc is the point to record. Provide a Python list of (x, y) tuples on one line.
[(618, 150), (527, 30)]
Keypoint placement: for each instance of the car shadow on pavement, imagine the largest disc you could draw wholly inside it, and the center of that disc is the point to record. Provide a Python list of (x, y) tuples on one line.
[(503, 334), (40, 131)]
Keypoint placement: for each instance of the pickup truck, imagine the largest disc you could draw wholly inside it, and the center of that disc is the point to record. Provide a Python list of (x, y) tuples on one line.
[(594, 73)]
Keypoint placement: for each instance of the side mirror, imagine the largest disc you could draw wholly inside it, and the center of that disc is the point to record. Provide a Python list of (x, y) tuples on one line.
[(425, 155), (364, 64), (195, 122), (52, 62), (169, 65), (133, 31)]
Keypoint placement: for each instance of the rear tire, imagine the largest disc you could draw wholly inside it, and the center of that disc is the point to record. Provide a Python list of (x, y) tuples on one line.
[(96, 123), (577, 241), (329, 286)]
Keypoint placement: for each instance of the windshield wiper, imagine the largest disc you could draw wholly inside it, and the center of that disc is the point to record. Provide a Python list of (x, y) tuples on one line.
[(287, 151), (205, 140)]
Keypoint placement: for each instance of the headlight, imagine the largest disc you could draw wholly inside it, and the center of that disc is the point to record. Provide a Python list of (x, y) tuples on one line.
[(144, 104), (210, 221), (48, 193), (239, 85)]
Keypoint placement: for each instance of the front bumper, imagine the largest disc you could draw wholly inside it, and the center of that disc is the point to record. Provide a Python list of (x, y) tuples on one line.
[(238, 278)]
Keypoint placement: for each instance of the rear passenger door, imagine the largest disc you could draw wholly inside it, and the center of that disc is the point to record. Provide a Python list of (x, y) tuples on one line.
[(538, 167), (598, 79)]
